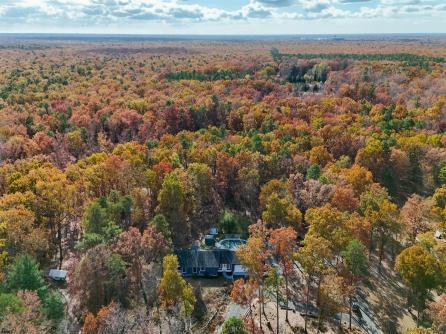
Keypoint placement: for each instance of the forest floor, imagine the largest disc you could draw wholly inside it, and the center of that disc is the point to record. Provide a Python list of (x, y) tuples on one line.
[(296, 322), (384, 299), (215, 294)]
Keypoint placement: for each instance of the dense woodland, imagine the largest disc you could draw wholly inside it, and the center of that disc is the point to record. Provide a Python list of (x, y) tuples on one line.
[(113, 154)]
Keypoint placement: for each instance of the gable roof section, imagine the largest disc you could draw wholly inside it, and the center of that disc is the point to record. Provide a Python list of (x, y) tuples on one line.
[(228, 256), (204, 258), (187, 258), (208, 259)]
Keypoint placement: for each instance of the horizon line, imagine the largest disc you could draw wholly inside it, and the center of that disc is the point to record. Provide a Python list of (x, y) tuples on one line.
[(204, 34)]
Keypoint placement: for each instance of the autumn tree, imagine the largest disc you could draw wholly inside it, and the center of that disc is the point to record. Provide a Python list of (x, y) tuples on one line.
[(308, 194), (271, 187), (53, 203), (203, 196), (374, 156), (172, 205), (247, 190), (175, 291), (20, 230), (421, 271), (283, 242), (253, 256), (247, 182), (319, 155), (142, 207), (355, 261), (138, 250), (437, 312), (359, 178), (273, 284), (439, 204), (330, 298), (329, 223), (99, 278), (359, 228), (381, 213), (313, 257), (344, 199), (415, 217), (243, 293), (115, 271), (76, 142), (90, 324), (30, 319), (114, 318), (281, 212), (225, 173)]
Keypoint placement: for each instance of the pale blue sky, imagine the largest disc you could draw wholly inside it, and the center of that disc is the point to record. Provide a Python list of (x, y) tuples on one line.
[(223, 17)]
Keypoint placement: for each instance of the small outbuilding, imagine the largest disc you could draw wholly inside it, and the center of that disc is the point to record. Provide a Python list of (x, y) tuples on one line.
[(58, 275)]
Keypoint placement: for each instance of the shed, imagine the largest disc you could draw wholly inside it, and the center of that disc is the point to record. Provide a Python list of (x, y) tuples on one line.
[(58, 275)]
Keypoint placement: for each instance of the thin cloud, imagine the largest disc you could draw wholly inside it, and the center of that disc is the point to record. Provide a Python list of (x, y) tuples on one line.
[(93, 12), (277, 3)]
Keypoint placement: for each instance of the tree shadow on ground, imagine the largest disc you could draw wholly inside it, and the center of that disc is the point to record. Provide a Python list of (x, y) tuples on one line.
[(386, 297)]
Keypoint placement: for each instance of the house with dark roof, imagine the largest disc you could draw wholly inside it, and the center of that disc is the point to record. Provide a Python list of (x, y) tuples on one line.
[(210, 262)]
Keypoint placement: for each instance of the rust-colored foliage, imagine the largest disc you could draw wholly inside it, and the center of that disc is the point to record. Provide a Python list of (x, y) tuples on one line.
[(311, 141)]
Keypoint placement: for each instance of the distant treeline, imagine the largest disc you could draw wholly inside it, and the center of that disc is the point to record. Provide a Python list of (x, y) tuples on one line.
[(406, 57), (12, 46), (207, 76)]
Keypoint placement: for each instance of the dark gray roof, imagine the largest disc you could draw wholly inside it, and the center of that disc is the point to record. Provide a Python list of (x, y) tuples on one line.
[(187, 258), (208, 259), (228, 256), (204, 258)]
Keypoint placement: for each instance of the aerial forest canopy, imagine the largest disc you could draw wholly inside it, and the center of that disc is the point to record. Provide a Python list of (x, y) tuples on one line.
[(115, 155)]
